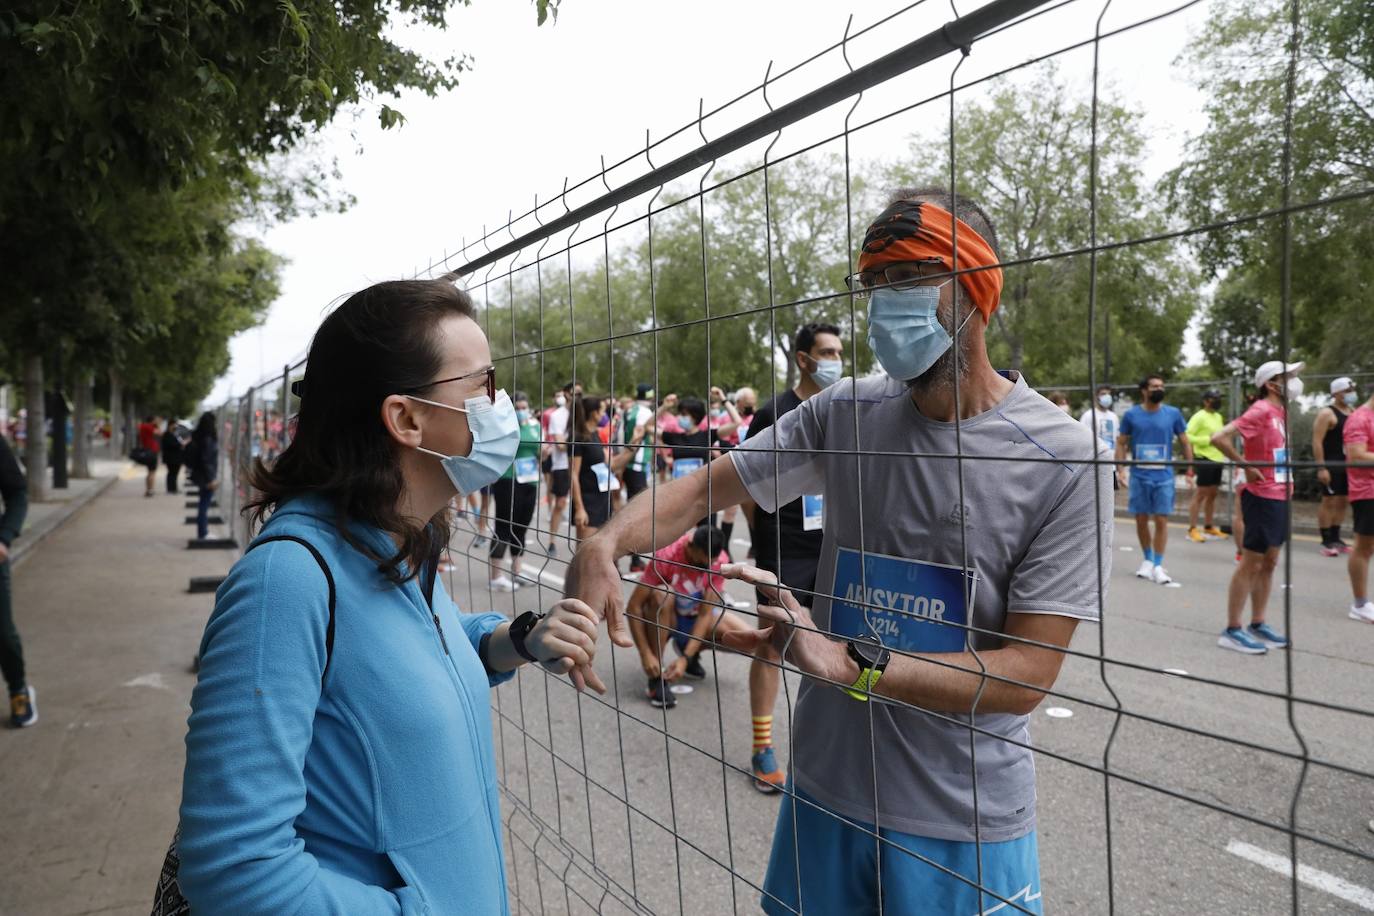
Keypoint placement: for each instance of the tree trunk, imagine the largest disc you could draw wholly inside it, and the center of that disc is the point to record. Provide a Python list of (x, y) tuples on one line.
[(81, 423), (36, 443), (116, 444)]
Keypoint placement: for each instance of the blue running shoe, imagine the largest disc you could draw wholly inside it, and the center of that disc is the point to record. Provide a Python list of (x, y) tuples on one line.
[(24, 708), (1237, 640), (1268, 635), (768, 777)]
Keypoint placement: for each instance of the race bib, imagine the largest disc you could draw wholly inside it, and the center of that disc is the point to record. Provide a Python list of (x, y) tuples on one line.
[(684, 466), (908, 604), (603, 476), (1157, 453), (813, 512), (1281, 474), (526, 470), (687, 604)]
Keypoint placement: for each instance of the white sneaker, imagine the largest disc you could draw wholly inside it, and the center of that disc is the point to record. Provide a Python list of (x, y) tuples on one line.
[(1364, 612), (502, 584), (1146, 570), (1160, 577)]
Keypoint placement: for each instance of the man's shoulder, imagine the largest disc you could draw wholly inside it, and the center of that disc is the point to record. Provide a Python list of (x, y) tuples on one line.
[(1045, 424)]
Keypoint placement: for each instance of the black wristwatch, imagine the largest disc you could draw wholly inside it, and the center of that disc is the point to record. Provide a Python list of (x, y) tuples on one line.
[(872, 657), (519, 629)]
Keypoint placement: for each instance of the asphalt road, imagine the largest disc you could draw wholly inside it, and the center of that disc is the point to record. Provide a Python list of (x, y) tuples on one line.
[(1188, 802)]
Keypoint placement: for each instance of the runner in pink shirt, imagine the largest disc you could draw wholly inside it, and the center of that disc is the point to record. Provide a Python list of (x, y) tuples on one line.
[(679, 598), (1264, 504), (1359, 455)]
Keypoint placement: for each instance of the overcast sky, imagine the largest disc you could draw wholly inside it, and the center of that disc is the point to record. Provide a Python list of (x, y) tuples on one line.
[(545, 103)]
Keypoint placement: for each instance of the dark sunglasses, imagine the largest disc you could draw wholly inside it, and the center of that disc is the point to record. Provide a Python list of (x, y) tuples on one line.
[(489, 372)]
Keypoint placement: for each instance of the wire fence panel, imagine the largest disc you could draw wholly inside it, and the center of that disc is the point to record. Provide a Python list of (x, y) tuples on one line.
[(1161, 777)]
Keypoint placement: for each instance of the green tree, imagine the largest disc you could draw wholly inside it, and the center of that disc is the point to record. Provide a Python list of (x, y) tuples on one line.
[(1025, 156), (1232, 170)]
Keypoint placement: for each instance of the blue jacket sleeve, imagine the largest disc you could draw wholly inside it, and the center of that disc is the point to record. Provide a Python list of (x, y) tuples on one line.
[(252, 718), (475, 626)]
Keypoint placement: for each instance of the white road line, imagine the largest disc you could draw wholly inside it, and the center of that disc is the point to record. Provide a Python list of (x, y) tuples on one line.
[(738, 543), (1362, 897)]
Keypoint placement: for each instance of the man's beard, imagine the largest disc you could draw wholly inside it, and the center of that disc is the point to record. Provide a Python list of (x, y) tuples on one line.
[(942, 373)]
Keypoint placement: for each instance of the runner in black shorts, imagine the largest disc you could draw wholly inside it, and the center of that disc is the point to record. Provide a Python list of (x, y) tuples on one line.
[(1328, 448)]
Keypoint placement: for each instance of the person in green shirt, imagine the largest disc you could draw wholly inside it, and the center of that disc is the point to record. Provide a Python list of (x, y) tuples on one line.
[(515, 495), (1210, 462)]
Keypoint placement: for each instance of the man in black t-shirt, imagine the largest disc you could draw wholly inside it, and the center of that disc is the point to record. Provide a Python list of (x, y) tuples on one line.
[(788, 543)]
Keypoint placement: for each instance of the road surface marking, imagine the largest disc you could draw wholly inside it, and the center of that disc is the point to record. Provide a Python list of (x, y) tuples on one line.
[(153, 680), (1179, 671), (1058, 712), (1362, 897)]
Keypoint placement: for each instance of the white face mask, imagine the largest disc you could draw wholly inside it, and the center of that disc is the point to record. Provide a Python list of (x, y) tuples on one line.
[(560, 400), (1105, 400), (1294, 388)]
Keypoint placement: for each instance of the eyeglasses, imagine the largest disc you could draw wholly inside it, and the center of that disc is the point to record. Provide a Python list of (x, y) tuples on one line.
[(489, 372), (904, 275)]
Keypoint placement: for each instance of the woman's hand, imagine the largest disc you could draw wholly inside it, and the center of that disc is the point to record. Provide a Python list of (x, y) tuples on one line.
[(580, 518), (565, 643)]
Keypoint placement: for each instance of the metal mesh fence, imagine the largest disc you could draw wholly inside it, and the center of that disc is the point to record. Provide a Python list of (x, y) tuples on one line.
[(687, 267)]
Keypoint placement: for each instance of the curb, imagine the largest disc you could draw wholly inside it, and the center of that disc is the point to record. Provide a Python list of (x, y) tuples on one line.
[(1179, 518), (33, 537)]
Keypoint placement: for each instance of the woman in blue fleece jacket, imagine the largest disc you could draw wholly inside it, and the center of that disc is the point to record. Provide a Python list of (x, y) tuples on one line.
[(358, 778)]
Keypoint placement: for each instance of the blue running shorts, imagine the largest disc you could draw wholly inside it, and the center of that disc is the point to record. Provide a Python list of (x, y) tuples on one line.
[(1151, 497), (839, 865)]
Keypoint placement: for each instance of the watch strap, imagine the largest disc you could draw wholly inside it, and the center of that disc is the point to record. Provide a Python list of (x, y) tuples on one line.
[(863, 687), (519, 629)]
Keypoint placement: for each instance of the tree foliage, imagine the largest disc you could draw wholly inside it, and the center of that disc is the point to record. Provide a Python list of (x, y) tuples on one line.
[(1025, 156), (1233, 170)]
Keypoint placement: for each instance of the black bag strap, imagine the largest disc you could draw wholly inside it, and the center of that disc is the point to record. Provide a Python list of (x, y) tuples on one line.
[(430, 573), (329, 577)]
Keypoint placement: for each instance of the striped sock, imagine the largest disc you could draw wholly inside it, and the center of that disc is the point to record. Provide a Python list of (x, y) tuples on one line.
[(763, 732)]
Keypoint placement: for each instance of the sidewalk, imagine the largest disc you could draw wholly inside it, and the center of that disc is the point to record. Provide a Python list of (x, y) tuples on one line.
[(89, 795), (51, 513)]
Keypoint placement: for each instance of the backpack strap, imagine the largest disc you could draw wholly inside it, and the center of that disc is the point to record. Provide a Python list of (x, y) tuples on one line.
[(329, 577)]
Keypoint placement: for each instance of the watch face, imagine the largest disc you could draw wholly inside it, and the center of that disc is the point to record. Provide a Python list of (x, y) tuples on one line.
[(867, 651)]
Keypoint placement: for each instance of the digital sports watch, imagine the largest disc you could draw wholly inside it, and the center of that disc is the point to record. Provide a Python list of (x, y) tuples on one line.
[(872, 657)]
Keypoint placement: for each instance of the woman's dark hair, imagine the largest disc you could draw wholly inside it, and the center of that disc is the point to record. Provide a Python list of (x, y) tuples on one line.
[(206, 427), (583, 409), (694, 408), (518, 397), (381, 341)]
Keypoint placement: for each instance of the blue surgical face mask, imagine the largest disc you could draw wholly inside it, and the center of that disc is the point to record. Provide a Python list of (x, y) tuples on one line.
[(522, 415), (1350, 398), (495, 437), (826, 372), (1105, 400), (904, 332)]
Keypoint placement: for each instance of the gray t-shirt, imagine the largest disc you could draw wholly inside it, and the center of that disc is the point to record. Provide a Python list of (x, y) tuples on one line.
[(1032, 548)]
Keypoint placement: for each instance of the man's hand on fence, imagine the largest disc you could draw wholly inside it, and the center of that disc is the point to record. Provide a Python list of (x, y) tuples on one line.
[(594, 579), (787, 625)]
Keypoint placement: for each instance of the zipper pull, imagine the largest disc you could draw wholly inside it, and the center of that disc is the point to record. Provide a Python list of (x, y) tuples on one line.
[(440, 627)]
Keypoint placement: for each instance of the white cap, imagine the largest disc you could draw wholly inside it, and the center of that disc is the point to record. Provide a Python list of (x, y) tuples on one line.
[(1276, 367), (1341, 384)]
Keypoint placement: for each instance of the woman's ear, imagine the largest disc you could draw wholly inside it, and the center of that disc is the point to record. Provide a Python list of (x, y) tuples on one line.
[(401, 419)]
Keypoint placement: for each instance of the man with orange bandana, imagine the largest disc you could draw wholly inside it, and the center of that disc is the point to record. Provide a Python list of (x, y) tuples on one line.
[(966, 533)]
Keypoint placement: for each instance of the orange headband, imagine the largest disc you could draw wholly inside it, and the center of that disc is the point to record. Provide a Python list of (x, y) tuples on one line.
[(920, 231)]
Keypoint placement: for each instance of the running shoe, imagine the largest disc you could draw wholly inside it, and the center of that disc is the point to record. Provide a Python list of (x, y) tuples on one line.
[(660, 697), (1363, 612), (1196, 536), (1237, 556), (1146, 570), (694, 669), (1268, 635), (551, 549), (1237, 640), (768, 777), (479, 541), (1343, 547), (1213, 531), (24, 708), (1160, 577), (502, 584), (1330, 550)]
